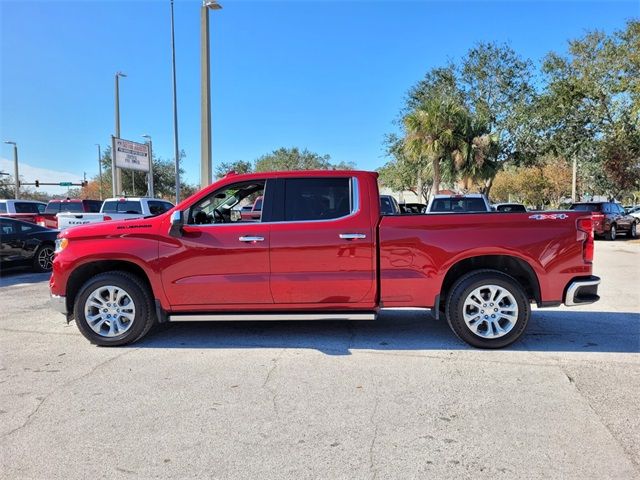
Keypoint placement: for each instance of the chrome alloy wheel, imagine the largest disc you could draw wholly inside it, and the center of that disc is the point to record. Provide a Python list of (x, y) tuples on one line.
[(490, 311), (109, 311), (45, 258)]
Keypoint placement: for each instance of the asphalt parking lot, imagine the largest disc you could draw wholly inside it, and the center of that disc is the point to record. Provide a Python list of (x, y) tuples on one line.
[(397, 398)]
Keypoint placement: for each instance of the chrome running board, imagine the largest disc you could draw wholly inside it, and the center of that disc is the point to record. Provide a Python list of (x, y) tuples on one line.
[(267, 317)]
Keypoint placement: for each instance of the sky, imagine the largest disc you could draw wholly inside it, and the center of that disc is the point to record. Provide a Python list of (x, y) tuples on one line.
[(329, 76)]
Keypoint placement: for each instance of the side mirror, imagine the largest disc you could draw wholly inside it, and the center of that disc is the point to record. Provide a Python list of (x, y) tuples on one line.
[(177, 223)]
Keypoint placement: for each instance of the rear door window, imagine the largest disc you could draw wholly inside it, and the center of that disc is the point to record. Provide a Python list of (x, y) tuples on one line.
[(316, 198)]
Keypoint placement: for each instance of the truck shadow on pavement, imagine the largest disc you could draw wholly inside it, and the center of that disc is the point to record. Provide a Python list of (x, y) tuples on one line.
[(18, 276), (548, 331)]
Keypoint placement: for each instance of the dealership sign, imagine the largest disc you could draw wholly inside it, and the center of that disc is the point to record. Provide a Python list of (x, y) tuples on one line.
[(131, 155)]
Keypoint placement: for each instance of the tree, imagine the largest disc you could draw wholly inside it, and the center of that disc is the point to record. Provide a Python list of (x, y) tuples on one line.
[(6, 187), (296, 159), (434, 132), (591, 106), (497, 86), (239, 166), (401, 173), (545, 184)]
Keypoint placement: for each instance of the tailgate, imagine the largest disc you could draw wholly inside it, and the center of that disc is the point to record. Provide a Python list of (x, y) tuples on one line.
[(67, 220)]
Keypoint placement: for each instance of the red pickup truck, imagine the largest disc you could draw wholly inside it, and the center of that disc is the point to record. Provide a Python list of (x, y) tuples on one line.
[(321, 250)]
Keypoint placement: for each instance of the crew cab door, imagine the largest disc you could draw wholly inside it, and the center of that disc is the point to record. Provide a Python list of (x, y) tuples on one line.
[(220, 259), (322, 245)]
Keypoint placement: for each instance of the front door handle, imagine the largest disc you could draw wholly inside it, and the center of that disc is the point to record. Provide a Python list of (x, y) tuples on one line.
[(251, 239), (352, 236)]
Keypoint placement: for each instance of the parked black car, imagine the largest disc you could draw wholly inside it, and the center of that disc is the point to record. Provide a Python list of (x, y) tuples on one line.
[(609, 219), (26, 244)]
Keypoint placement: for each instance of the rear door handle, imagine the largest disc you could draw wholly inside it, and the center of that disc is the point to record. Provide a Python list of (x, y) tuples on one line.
[(352, 236), (251, 239)]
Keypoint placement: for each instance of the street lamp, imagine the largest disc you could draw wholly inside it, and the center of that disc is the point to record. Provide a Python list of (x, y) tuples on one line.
[(15, 166), (115, 172), (175, 112), (205, 99), (99, 168), (150, 174)]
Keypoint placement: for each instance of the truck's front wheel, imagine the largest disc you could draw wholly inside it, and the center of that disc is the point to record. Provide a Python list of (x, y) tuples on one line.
[(487, 309), (113, 309)]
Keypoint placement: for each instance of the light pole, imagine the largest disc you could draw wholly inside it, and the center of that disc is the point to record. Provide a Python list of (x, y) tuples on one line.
[(574, 177), (175, 112), (150, 174), (99, 168), (205, 98), (116, 172), (15, 167)]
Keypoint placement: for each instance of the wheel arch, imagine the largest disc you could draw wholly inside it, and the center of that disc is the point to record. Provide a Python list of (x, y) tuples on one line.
[(84, 272), (515, 267)]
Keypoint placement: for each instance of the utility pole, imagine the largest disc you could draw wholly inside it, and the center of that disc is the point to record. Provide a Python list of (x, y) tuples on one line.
[(117, 173), (99, 169), (176, 150), (15, 167), (205, 93)]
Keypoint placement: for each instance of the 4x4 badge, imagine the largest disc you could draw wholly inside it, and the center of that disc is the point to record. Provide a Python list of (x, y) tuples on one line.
[(549, 216)]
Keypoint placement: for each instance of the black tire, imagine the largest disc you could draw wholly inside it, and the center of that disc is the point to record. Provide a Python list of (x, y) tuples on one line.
[(43, 258), (140, 296), (613, 232), (463, 288), (633, 231)]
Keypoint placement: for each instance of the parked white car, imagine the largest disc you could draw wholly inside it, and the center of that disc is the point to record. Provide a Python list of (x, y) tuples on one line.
[(471, 202), (116, 209)]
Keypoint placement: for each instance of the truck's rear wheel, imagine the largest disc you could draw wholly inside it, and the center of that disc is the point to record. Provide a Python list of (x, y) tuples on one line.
[(487, 309), (113, 309)]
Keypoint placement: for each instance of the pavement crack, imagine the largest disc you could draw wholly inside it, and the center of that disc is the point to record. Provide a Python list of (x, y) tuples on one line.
[(627, 453), (372, 420), (267, 387), (41, 402)]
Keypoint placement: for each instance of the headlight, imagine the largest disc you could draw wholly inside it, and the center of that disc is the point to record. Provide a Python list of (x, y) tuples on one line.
[(61, 244)]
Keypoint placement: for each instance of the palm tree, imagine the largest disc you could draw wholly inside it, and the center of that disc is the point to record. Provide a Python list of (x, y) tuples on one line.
[(434, 131), (474, 161)]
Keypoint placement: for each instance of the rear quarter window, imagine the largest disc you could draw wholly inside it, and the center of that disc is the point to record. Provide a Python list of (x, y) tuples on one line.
[(3, 207)]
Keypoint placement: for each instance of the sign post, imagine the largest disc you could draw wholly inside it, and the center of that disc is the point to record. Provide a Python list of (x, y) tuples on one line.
[(114, 186)]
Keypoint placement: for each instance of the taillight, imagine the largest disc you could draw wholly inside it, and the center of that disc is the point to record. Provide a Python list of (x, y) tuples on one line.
[(585, 233), (106, 217), (40, 221)]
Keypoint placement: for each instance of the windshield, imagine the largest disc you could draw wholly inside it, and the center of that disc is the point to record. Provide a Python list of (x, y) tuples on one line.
[(122, 206), (458, 205)]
